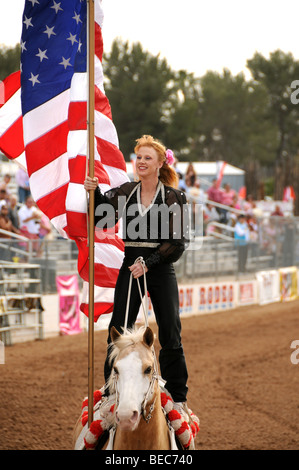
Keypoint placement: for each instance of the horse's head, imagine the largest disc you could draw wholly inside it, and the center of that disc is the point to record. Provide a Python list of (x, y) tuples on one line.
[(133, 374)]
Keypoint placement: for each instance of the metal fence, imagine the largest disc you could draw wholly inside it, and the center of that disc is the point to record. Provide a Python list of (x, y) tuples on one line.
[(274, 244)]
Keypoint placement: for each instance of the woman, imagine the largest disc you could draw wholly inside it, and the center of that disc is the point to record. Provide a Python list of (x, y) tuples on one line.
[(149, 200)]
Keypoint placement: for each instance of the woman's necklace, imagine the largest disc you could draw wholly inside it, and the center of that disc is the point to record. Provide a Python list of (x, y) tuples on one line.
[(145, 203)]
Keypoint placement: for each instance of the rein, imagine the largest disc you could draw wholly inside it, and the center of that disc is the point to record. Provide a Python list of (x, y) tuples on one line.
[(155, 376)]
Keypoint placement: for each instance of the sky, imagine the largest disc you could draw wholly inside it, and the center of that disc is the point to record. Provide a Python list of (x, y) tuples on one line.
[(193, 35)]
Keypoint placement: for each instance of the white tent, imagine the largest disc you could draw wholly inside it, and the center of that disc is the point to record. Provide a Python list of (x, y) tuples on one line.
[(207, 171)]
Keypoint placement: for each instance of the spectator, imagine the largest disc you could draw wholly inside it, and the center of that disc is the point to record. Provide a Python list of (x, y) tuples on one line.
[(13, 211), (228, 195), (289, 242), (197, 193), (241, 242), (22, 181), (6, 224), (3, 197), (190, 175), (5, 182), (235, 202), (30, 221), (277, 212), (227, 199), (210, 214), (214, 193), (253, 235), (248, 205), (44, 231)]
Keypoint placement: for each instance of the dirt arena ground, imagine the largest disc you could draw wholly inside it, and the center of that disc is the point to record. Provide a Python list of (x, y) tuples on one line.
[(242, 383)]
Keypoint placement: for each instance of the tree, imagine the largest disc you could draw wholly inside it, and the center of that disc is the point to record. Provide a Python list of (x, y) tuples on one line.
[(140, 89), (276, 75), (183, 126), (9, 60), (233, 122)]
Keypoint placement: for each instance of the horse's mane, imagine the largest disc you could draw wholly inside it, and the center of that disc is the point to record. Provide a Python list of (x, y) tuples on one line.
[(130, 338)]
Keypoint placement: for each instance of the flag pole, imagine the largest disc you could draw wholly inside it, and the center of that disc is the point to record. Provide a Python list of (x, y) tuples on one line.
[(91, 106)]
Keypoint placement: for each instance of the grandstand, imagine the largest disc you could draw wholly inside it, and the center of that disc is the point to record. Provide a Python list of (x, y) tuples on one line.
[(211, 257)]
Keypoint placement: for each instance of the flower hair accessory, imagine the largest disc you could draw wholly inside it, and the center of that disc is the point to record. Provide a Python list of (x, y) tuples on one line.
[(169, 157)]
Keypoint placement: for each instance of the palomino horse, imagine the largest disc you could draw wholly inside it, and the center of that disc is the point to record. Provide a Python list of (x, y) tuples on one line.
[(139, 420), (136, 409)]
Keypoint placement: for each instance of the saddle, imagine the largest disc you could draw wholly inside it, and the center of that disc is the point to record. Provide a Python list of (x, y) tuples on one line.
[(181, 433)]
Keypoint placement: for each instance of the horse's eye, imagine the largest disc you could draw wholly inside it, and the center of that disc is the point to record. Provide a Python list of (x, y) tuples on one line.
[(115, 370), (148, 370)]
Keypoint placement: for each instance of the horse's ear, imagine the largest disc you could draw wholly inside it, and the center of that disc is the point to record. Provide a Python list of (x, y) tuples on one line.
[(148, 337), (114, 334)]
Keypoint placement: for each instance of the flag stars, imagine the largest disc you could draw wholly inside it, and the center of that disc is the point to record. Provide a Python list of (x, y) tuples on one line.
[(34, 2), (56, 6), (72, 38), (42, 54), (27, 22), (23, 47), (65, 62), (34, 79), (49, 31), (77, 18)]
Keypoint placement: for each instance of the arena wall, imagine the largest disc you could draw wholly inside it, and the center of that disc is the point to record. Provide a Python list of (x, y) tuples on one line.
[(280, 285)]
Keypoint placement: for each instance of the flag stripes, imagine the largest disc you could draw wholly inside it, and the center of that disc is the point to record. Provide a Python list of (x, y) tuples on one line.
[(54, 84)]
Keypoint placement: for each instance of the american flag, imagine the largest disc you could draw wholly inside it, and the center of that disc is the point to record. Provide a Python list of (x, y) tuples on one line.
[(11, 123), (54, 84)]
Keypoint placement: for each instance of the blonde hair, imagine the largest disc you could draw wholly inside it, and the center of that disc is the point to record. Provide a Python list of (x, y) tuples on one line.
[(168, 175)]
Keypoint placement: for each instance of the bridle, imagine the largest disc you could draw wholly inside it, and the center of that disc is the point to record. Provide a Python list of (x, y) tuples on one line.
[(155, 375), (148, 394)]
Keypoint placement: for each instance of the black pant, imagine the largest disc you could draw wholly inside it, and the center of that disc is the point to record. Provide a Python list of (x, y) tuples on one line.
[(163, 290), (242, 257)]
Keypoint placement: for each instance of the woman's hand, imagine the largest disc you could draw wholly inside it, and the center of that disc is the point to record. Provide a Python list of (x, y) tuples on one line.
[(137, 270), (90, 183)]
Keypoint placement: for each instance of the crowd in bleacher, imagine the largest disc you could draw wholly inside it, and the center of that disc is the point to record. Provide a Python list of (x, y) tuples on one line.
[(232, 214), (221, 204), (20, 215)]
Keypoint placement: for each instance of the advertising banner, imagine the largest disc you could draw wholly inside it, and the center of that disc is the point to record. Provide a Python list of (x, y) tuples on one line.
[(69, 311), (216, 297), (247, 292), (288, 283), (268, 286), (187, 299)]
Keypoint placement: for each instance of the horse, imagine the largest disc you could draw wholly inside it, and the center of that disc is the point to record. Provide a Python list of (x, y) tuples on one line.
[(139, 420), (138, 413)]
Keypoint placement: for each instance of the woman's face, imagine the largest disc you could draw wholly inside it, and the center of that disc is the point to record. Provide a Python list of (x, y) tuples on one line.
[(147, 162)]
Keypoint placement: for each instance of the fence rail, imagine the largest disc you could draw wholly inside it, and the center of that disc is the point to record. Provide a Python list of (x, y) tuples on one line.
[(275, 244)]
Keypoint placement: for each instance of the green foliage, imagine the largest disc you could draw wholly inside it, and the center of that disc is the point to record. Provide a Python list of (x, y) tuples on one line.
[(216, 116), (9, 60), (276, 75), (140, 88)]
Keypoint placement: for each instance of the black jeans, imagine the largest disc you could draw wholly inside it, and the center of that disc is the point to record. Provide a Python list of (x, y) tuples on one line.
[(163, 290)]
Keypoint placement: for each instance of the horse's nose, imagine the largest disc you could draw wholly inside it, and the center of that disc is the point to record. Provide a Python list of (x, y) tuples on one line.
[(127, 419)]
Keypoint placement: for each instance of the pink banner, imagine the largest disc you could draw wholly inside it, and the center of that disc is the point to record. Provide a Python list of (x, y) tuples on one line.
[(69, 311)]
